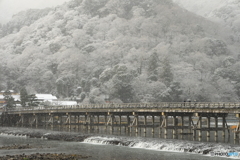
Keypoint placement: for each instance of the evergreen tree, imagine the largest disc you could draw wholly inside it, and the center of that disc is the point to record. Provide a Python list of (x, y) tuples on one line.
[(23, 97), (167, 74), (32, 99), (153, 64), (9, 99), (122, 85), (176, 92)]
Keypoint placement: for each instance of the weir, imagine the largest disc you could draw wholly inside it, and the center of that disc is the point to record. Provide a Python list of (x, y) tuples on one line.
[(180, 118)]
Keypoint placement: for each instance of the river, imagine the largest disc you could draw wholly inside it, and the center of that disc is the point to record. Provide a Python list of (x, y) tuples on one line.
[(104, 146)]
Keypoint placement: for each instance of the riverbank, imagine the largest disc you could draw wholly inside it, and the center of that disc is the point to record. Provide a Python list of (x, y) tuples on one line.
[(40, 133), (37, 156), (49, 156)]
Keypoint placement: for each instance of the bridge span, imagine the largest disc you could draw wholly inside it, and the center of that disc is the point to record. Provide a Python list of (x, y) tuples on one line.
[(179, 117)]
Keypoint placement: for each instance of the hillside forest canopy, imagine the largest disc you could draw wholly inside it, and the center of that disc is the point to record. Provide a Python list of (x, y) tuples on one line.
[(121, 50)]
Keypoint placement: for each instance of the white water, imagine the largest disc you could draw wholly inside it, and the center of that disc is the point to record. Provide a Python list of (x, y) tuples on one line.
[(202, 148)]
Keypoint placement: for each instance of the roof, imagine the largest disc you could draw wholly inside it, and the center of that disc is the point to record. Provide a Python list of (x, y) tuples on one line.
[(16, 97), (46, 97), (64, 103)]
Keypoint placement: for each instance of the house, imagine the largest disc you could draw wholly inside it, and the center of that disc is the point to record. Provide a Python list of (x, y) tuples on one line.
[(45, 97)]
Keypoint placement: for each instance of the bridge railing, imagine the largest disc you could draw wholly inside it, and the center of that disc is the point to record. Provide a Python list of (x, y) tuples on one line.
[(170, 105)]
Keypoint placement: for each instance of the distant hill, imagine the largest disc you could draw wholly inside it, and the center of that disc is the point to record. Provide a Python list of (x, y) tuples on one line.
[(122, 51)]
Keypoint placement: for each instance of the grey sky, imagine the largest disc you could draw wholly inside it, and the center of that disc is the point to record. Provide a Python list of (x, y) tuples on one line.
[(11, 7)]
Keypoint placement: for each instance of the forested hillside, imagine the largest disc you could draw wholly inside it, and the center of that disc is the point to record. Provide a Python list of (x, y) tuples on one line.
[(124, 50)]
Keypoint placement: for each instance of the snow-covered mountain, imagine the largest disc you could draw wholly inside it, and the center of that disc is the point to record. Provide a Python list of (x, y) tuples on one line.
[(129, 51)]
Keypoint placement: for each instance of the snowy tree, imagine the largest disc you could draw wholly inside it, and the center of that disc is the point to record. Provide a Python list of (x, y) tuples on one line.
[(167, 74), (23, 97)]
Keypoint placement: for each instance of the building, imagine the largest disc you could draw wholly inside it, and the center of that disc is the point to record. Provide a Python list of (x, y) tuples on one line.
[(45, 97)]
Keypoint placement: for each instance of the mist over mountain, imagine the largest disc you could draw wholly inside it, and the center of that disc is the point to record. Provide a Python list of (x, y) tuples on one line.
[(224, 12), (124, 50)]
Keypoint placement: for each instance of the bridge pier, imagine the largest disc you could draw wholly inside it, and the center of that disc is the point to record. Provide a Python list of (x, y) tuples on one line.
[(189, 123), (223, 126), (112, 118), (128, 124), (136, 123), (145, 124), (174, 125), (153, 121), (97, 122), (200, 126), (182, 121), (208, 126), (216, 126), (120, 123), (166, 125), (160, 124)]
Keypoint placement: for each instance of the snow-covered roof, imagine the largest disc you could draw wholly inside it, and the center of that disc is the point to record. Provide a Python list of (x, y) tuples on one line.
[(45, 97), (11, 91), (64, 103), (16, 97)]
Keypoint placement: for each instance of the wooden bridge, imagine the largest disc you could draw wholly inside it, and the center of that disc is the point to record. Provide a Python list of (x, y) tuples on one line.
[(180, 117)]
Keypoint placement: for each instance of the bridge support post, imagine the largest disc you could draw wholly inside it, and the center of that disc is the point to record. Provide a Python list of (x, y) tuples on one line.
[(91, 122), (97, 122), (153, 121), (22, 120), (120, 123), (44, 120), (112, 122), (182, 120), (52, 120), (128, 124), (145, 124), (216, 126), (69, 121), (174, 131), (136, 119), (105, 121), (208, 126), (85, 121), (61, 121), (166, 125), (75, 122), (160, 123), (78, 122), (200, 127), (36, 119), (223, 125), (189, 123)]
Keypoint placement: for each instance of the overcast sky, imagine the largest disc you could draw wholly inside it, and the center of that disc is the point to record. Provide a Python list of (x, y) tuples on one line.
[(11, 7)]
